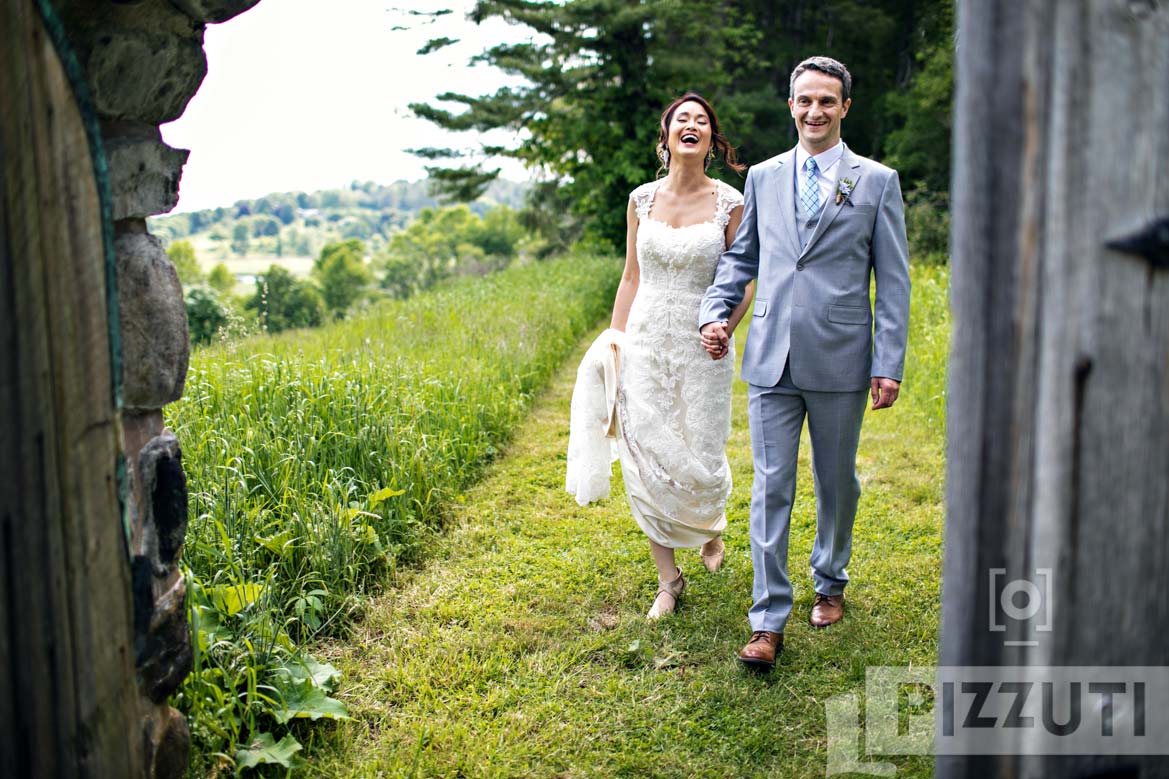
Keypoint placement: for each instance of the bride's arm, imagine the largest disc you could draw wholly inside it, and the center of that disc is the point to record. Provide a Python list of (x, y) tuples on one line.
[(632, 274), (740, 310)]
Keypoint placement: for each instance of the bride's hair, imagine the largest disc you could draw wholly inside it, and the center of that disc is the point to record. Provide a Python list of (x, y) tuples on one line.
[(719, 143)]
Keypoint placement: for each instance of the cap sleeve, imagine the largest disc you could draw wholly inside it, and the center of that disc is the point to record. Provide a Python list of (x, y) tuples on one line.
[(729, 199), (643, 197)]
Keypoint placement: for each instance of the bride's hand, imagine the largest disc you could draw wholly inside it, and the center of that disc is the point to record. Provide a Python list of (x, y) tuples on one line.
[(715, 340)]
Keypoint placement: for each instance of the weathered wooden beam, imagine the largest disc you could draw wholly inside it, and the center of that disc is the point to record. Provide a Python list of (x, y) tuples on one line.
[(67, 691), (1058, 418)]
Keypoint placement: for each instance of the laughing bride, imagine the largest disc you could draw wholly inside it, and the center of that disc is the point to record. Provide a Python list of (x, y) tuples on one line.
[(670, 408)]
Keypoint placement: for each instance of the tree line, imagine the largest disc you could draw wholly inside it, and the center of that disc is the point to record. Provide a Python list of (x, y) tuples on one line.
[(599, 72), (300, 224), (439, 244)]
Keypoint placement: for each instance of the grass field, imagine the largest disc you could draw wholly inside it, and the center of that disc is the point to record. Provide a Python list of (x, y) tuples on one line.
[(519, 648), (321, 460)]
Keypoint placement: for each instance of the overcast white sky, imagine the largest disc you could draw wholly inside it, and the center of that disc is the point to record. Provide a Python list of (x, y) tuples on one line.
[(304, 95)]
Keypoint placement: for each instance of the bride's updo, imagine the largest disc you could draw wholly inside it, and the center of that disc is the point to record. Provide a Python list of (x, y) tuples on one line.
[(720, 146)]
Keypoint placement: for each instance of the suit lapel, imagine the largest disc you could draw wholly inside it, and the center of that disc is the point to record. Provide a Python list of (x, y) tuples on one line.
[(786, 180), (848, 168)]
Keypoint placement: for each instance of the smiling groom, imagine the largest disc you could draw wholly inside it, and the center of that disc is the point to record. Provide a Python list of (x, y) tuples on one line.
[(819, 224)]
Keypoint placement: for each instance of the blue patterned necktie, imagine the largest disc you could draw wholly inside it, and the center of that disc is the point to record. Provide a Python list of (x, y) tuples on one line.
[(810, 189)]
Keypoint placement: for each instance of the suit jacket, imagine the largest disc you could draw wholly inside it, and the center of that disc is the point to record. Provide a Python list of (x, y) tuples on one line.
[(812, 304)]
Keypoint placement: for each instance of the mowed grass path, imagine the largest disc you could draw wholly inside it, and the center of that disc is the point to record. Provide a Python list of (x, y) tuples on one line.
[(520, 649)]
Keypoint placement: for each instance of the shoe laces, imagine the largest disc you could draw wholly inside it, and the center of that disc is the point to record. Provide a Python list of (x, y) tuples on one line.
[(758, 635), (822, 598)]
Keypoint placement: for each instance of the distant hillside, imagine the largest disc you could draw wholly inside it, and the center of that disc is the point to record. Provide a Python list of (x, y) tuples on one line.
[(292, 226)]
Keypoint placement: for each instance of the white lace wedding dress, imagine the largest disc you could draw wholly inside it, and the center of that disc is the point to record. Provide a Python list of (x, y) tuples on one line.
[(674, 402)]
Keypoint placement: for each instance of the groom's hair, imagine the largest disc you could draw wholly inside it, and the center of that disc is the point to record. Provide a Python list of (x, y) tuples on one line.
[(827, 65)]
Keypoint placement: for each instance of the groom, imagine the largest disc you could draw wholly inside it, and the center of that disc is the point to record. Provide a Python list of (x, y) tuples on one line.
[(818, 223)]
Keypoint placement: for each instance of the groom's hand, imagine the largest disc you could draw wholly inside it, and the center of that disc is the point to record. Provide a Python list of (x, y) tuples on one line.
[(715, 339), (884, 392)]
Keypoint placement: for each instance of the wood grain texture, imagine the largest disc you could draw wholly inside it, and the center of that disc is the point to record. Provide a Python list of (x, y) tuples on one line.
[(66, 666), (1058, 416)]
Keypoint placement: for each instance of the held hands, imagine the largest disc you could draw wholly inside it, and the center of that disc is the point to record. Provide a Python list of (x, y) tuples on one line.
[(716, 340), (884, 392)]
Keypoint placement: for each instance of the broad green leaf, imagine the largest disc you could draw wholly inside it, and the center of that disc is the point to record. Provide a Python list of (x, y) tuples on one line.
[(304, 668), (366, 534), (304, 700), (277, 543), (234, 598), (264, 749), (205, 625), (383, 495), (353, 513)]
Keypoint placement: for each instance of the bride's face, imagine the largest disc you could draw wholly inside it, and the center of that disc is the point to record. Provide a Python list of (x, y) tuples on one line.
[(689, 131)]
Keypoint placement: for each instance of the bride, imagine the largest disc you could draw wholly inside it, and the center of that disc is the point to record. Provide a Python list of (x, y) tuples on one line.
[(672, 402)]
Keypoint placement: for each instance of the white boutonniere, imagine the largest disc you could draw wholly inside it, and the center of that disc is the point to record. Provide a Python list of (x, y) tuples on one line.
[(843, 190)]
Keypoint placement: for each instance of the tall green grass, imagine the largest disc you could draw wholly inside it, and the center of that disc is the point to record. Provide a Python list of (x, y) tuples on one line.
[(929, 347), (317, 460)]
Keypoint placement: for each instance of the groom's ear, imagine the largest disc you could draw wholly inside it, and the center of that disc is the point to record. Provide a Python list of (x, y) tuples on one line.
[(844, 107)]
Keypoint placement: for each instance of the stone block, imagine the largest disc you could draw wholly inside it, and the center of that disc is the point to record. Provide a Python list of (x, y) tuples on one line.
[(138, 427), (213, 11), (144, 171), (172, 749), (162, 653), (153, 315), (162, 489), (143, 62)]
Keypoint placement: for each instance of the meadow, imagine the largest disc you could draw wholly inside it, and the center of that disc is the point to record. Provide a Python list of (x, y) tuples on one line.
[(521, 648), (388, 579), (321, 460)]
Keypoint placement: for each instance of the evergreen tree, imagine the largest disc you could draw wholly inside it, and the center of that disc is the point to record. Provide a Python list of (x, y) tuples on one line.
[(601, 71)]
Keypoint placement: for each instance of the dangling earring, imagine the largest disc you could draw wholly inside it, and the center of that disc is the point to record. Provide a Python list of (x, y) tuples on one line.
[(664, 156), (710, 157)]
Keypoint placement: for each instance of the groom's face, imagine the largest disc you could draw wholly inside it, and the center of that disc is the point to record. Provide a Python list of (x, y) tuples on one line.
[(817, 105)]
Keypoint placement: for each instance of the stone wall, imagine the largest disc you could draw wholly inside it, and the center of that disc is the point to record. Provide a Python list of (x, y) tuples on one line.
[(144, 61)]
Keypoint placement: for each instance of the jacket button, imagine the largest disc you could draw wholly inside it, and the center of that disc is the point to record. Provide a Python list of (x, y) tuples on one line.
[(799, 266)]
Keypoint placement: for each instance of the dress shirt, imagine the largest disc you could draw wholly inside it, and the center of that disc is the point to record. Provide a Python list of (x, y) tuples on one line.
[(826, 162)]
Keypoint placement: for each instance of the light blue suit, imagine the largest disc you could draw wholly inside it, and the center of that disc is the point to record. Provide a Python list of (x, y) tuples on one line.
[(814, 344)]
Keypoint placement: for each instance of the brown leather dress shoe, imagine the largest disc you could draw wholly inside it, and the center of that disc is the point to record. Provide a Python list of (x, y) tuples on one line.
[(761, 650), (827, 610)]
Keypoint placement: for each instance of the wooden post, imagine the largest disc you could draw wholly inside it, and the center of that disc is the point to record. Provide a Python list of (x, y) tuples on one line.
[(67, 689), (1058, 417)]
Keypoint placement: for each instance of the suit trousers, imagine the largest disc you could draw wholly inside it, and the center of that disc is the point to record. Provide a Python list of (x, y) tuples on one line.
[(777, 417)]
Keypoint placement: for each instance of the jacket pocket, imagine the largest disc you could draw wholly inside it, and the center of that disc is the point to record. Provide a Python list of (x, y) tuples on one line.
[(760, 308), (849, 315)]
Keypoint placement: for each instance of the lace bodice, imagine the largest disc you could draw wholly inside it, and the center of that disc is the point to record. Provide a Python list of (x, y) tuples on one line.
[(673, 403), (681, 259)]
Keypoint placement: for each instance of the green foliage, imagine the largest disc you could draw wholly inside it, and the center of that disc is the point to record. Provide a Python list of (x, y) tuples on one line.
[(300, 223), (221, 279), (600, 72), (448, 241), (239, 238), (282, 302), (920, 146), (341, 272), (205, 314), (927, 223), (263, 749), (264, 226), (182, 256), (320, 460)]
